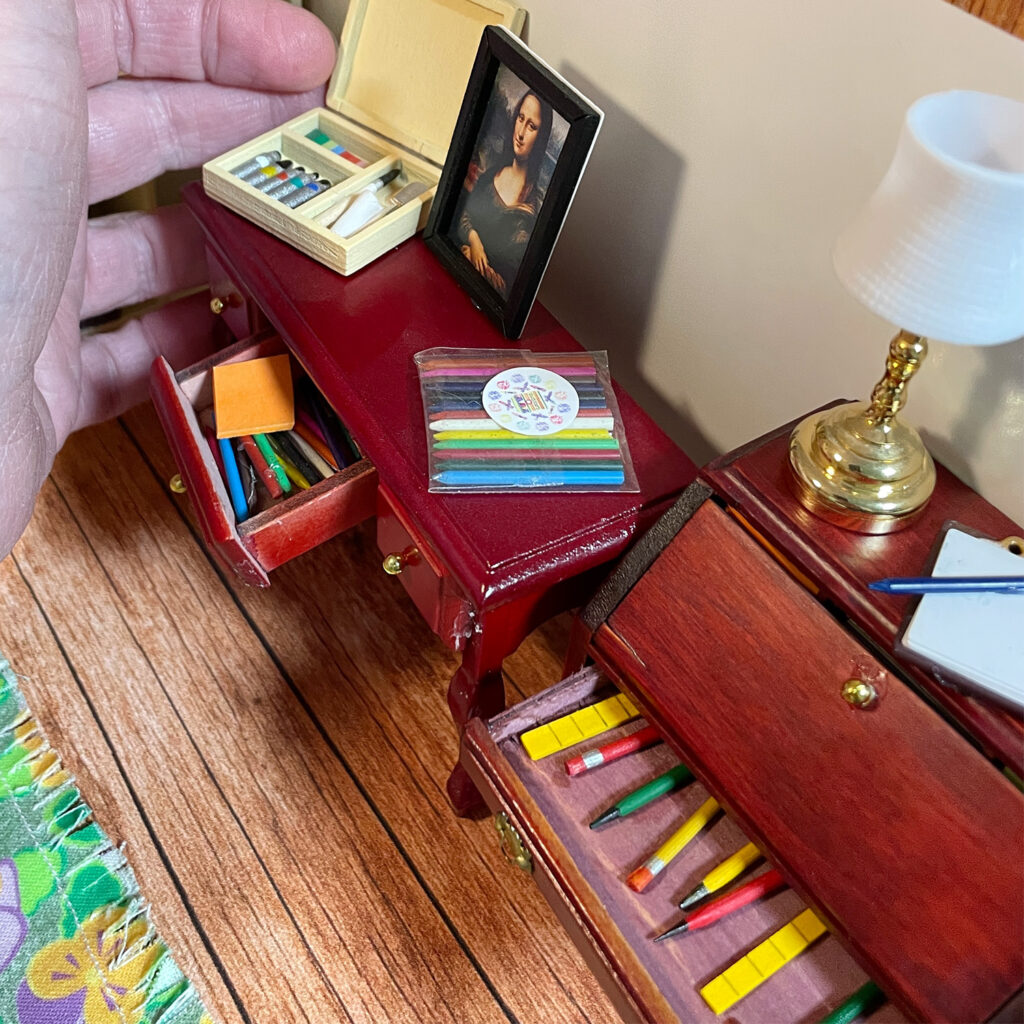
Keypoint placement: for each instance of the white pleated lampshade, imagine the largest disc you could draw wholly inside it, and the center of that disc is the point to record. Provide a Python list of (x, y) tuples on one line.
[(939, 247)]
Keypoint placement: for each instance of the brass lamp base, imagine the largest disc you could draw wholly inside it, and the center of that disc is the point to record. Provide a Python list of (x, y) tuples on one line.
[(857, 466), (860, 475)]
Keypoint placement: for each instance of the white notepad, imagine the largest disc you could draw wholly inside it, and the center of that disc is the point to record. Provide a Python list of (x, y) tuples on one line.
[(980, 637)]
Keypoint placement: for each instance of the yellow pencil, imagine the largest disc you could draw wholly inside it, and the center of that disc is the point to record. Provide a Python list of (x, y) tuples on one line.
[(500, 433), (639, 879), (730, 868)]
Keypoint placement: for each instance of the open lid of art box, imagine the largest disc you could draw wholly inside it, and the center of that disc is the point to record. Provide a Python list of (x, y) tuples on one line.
[(392, 103)]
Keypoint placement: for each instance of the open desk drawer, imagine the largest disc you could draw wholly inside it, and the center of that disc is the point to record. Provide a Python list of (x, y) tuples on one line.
[(291, 526), (582, 874), (903, 838)]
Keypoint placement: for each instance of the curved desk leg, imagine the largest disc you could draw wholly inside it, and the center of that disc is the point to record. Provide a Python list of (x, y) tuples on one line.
[(477, 690)]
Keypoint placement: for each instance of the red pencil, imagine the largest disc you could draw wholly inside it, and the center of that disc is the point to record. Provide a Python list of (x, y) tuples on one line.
[(714, 911), (639, 740), (259, 463)]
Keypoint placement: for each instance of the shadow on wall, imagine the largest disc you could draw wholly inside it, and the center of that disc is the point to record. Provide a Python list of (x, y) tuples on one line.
[(605, 270), (996, 394)]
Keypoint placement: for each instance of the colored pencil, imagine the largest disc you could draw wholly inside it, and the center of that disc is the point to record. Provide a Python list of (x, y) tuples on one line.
[(293, 473), (460, 458), (458, 403), (868, 998), (639, 879), (643, 738), (285, 446), (605, 423), (529, 478), (311, 455), (530, 442), (262, 467), (233, 479), (511, 435), (719, 877), (273, 461), (314, 439), (668, 782), (764, 885)]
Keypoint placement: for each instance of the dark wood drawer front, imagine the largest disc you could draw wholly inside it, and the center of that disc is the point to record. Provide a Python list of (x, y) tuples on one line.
[(231, 302), (281, 532), (906, 839), (422, 573)]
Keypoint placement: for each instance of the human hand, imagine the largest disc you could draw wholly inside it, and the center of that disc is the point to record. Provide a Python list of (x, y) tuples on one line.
[(97, 97)]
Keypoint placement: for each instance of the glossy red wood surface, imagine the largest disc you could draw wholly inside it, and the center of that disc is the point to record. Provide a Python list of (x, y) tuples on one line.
[(886, 820), (209, 498), (445, 610), (356, 337), (756, 481)]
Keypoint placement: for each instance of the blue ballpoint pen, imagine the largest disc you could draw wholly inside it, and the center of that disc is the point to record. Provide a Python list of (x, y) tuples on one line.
[(950, 585)]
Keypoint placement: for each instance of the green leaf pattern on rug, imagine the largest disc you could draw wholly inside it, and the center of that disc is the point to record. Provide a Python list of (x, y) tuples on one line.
[(91, 887), (38, 871), (76, 944)]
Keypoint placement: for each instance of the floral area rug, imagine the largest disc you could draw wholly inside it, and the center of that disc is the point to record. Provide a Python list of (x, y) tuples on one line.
[(76, 945)]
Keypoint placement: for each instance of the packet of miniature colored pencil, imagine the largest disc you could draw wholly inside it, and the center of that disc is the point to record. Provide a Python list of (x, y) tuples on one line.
[(514, 420)]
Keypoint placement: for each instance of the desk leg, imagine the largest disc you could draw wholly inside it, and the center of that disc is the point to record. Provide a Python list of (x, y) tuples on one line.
[(477, 690)]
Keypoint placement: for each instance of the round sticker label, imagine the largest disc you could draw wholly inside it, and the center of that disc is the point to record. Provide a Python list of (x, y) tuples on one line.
[(530, 400)]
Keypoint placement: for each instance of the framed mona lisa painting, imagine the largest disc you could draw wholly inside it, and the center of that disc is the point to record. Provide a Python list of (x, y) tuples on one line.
[(520, 145)]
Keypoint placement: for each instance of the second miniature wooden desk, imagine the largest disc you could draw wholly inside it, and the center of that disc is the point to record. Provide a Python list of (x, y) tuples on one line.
[(483, 569)]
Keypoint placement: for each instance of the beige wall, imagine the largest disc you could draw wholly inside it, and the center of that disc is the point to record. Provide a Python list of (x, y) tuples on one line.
[(739, 139)]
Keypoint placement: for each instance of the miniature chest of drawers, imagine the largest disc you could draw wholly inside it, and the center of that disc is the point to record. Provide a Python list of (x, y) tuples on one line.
[(735, 626), (484, 570)]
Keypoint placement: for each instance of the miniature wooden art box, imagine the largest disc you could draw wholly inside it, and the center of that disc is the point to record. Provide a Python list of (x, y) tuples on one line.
[(392, 103)]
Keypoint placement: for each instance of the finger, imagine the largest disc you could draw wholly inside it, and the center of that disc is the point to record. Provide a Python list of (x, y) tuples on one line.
[(132, 257), (116, 364), (138, 130), (261, 44)]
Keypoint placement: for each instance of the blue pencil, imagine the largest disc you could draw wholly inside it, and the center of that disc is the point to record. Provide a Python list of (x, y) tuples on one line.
[(526, 478), (950, 585), (233, 479)]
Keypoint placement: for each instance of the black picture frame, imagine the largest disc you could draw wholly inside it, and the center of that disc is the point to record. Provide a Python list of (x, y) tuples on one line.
[(526, 231)]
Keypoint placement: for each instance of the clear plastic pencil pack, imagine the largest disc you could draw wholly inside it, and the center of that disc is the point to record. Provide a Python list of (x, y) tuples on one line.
[(514, 420)]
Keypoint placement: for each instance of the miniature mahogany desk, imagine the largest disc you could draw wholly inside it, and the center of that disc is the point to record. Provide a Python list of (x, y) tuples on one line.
[(734, 625), (484, 570)]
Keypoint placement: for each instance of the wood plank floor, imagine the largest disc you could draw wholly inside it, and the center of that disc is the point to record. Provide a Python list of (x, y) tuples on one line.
[(274, 761)]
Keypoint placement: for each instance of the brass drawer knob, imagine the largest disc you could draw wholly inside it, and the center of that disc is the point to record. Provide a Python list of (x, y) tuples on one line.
[(511, 845), (176, 484), (217, 305), (859, 694), (395, 562)]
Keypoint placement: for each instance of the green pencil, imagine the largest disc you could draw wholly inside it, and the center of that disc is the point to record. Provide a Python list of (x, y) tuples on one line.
[(864, 1001), (273, 461), (674, 778)]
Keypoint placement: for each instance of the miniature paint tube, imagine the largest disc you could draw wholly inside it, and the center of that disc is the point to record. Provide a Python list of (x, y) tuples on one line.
[(304, 194), (262, 174), (292, 184), (256, 163), (279, 179)]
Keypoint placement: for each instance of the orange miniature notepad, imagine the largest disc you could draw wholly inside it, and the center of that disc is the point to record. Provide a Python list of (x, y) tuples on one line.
[(254, 397)]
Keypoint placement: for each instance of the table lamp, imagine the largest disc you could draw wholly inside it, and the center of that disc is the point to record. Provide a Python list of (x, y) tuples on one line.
[(938, 250)]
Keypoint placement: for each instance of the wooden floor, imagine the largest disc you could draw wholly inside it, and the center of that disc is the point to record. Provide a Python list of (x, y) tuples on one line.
[(274, 761)]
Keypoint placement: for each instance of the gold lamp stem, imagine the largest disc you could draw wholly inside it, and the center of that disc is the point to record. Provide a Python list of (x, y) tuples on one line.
[(906, 353), (857, 465)]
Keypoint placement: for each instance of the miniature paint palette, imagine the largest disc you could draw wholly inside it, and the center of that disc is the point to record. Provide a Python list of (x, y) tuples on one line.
[(499, 420)]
